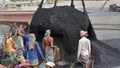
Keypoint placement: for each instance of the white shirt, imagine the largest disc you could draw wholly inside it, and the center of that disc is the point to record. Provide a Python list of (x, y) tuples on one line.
[(84, 47)]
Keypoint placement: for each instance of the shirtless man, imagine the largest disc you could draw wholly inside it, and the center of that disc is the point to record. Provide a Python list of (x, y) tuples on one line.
[(48, 46)]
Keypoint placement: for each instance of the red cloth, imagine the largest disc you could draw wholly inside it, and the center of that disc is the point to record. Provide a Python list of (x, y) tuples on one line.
[(13, 45)]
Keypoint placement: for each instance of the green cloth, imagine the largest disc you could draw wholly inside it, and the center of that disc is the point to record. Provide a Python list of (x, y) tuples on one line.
[(33, 62), (9, 58), (84, 59)]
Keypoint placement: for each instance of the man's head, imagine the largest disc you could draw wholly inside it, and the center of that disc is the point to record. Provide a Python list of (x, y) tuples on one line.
[(7, 35), (14, 25), (26, 30), (47, 32), (83, 33)]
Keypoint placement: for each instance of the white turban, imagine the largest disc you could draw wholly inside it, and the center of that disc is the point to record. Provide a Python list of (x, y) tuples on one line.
[(47, 32)]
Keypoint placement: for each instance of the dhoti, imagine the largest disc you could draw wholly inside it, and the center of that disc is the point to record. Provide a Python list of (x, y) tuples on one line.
[(49, 56)]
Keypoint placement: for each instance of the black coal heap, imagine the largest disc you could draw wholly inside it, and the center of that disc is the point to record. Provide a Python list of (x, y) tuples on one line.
[(65, 23)]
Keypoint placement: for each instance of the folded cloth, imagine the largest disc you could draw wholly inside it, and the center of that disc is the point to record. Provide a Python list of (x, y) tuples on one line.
[(84, 59), (84, 56), (23, 62), (50, 64)]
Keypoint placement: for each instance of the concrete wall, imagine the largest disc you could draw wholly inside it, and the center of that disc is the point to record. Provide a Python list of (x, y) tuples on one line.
[(105, 19), (106, 26)]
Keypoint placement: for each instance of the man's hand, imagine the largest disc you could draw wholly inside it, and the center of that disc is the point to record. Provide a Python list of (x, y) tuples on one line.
[(44, 59), (78, 60), (90, 57), (54, 46)]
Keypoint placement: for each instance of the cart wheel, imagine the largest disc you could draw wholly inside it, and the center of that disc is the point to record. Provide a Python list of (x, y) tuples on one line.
[(76, 65)]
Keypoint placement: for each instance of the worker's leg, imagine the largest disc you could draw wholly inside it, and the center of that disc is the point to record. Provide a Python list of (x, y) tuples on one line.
[(35, 66), (86, 65), (49, 66)]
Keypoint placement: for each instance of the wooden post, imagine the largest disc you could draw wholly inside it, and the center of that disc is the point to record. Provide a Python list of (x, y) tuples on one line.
[(84, 8), (40, 5), (104, 4), (55, 2), (72, 4)]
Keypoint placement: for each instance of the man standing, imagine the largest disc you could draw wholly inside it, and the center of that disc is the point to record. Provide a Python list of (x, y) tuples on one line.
[(84, 49), (48, 46), (25, 36)]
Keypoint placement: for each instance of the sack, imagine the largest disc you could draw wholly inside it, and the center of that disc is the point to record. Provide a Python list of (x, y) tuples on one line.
[(56, 54)]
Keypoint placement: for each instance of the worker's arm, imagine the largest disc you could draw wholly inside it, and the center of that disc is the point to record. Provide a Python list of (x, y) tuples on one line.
[(79, 51), (89, 48), (52, 40), (19, 30), (39, 50), (13, 37)]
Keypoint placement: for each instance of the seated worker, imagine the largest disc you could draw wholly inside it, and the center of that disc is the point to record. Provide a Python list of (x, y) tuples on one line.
[(84, 49), (48, 46)]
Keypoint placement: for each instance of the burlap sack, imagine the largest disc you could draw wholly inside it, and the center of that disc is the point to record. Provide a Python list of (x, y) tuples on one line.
[(56, 54)]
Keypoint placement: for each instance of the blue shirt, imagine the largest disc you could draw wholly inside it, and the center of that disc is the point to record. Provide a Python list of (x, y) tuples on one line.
[(33, 53), (25, 39)]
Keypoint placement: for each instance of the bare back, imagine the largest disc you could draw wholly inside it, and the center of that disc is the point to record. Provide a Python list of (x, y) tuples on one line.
[(48, 41)]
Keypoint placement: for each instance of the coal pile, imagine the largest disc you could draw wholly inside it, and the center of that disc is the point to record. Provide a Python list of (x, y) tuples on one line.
[(65, 23)]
